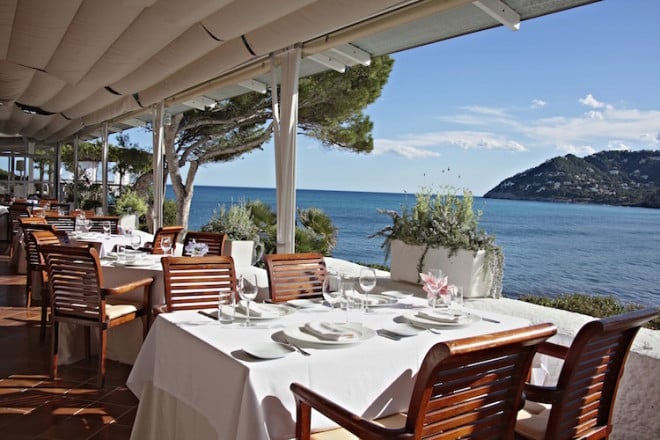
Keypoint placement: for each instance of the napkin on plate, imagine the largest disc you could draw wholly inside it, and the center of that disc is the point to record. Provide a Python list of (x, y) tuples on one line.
[(327, 331), (257, 310), (441, 316)]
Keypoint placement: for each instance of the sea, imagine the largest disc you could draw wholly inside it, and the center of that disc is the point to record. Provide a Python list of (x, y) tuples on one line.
[(549, 248)]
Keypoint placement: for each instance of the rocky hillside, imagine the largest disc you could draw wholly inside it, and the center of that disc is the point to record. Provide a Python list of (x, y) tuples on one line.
[(629, 178)]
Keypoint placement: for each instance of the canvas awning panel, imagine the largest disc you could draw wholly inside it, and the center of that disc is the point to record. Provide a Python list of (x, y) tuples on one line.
[(68, 66)]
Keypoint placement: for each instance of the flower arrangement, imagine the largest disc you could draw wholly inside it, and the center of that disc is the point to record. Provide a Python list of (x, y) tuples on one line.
[(437, 288), (197, 249)]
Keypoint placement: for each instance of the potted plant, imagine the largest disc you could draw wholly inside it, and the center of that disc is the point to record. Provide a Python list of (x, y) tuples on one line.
[(441, 231), (243, 242)]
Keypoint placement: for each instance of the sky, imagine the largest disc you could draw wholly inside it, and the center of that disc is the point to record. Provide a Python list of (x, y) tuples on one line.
[(472, 111)]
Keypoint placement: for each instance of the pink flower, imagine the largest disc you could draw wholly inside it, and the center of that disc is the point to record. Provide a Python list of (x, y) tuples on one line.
[(434, 286)]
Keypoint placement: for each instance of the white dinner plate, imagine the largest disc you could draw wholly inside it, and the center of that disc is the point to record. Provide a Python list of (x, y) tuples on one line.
[(275, 311), (268, 350), (421, 322), (300, 337), (141, 262), (305, 303), (397, 294), (378, 300)]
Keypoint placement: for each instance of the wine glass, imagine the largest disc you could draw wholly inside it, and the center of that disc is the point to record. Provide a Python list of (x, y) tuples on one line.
[(87, 224), (247, 289), (332, 289), (166, 244), (106, 229), (367, 283), (136, 241)]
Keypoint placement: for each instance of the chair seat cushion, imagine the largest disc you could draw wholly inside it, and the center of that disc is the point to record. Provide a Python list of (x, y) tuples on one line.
[(114, 311), (532, 420), (393, 421)]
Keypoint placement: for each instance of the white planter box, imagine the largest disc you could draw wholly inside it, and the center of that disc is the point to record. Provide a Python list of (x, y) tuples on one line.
[(241, 251), (463, 269)]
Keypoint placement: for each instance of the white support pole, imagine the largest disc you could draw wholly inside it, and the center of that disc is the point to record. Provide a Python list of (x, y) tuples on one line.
[(285, 121), (76, 144), (104, 168), (158, 184)]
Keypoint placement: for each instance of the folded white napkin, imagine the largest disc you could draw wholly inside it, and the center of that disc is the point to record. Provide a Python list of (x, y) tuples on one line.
[(441, 316), (328, 331), (257, 310)]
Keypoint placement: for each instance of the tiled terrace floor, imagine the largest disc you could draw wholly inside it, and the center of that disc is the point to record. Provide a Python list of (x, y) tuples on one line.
[(32, 406)]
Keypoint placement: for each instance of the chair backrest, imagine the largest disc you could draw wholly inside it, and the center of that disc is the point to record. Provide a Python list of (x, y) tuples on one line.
[(17, 211), (194, 282), (292, 276), (472, 387), (75, 280), (31, 246), (97, 223), (590, 375), (165, 231), (62, 222), (214, 240)]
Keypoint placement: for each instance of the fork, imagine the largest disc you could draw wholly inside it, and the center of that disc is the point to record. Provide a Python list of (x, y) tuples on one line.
[(295, 347), (435, 331)]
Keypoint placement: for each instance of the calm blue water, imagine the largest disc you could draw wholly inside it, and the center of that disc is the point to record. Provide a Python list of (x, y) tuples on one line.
[(549, 248)]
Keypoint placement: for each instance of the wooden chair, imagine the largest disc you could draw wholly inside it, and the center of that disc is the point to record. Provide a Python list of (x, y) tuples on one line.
[(16, 211), (165, 231), (28, 224), (78, 297), (97, 223), (62, 222), (36, 266), (293, 276), (194, 282), (214, 240), (583, 399), (466, 388)]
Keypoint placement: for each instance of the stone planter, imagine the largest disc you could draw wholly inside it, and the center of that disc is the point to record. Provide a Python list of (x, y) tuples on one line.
[(463, 269), (244, 252)]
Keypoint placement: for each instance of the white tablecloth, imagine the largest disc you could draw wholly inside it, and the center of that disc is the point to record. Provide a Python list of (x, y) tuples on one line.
[(107, 244), (194, 381), (124, 341)]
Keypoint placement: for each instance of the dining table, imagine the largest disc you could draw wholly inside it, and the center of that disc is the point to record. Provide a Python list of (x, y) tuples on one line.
[(198, 378), (124, 341)]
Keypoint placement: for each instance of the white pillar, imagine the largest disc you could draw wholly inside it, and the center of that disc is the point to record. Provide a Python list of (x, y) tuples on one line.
[(76, 144), (285, 121), (158, 140), (104, 168)]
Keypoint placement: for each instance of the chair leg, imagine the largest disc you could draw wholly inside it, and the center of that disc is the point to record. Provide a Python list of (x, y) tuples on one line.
[(28, 289), (100, 378), (54, 349), (44, 314)]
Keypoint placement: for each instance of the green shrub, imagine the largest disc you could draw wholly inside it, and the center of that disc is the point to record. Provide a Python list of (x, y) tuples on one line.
[(130, 203), (593, 305), (236, 222), (169, 213)]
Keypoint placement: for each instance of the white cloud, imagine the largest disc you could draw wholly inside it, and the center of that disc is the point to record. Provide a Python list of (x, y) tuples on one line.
[(482, 110), (538, 103), (578, 150), (590, 101), (422, 146)]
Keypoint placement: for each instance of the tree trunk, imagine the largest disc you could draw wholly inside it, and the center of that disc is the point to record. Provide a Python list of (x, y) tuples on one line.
[(183, 191)]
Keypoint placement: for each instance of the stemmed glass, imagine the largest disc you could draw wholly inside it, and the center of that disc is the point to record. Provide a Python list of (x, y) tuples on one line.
[(247, 289), (367, 283), (136, 241), (106, 229), (166, 244), (87, 224), (332, 289)]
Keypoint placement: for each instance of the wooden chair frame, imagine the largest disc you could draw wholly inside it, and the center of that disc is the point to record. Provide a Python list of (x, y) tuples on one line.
[(293, 276), (194, 282), (583, 399), (77, 296), (466, 388), (214, 240), (164, 231)]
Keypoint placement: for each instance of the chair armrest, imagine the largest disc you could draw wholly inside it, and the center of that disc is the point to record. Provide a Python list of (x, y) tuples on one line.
[(541, 394), (118, 290), (307, 399), (552, 349)]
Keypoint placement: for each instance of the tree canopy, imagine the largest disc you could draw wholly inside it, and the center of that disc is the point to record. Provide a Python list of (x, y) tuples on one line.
[(330, 109)]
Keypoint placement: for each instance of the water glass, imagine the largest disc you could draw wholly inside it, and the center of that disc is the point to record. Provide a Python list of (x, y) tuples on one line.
[(106, 229), (332, 289), (456, 293), (121, 253), (347, 297), (226, 306), (166, 245)]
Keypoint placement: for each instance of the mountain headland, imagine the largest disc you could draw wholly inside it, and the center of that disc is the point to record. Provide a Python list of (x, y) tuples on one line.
[(625, 178)]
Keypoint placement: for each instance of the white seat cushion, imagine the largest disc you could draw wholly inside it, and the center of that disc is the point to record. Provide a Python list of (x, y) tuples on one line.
[(532, 420), (393, 421), (113, 311)]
